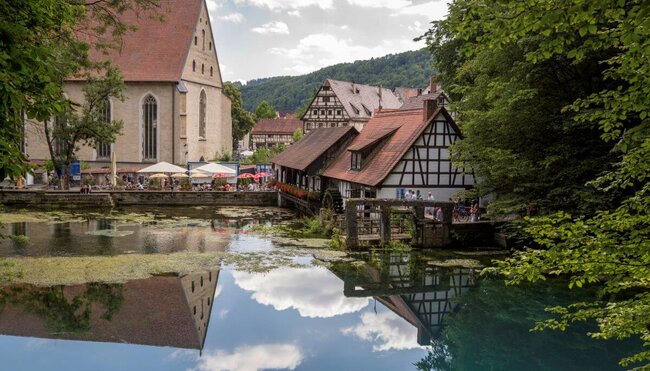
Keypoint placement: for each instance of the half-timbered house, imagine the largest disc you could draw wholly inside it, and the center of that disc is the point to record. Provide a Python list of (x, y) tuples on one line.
[(342, 103), (402, 150), (302, 163), (271, 132)]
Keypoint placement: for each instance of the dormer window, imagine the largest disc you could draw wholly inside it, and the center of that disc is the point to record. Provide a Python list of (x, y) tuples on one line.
[(356, 161), (355, 109), (368, 112)]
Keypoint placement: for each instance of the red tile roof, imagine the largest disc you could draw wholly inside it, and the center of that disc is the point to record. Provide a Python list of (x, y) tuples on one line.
[(156, 51), (277, 126), (313, 145), (408, 125)]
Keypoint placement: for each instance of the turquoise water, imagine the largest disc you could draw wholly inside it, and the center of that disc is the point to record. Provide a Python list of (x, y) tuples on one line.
[(379, 312)]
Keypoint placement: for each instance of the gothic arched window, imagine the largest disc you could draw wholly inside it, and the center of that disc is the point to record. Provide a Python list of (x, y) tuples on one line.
[(149, 128), (203, 38), (104, 149), (202, 103)]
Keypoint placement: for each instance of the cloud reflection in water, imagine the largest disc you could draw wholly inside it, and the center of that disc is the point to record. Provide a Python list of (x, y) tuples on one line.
[(313, 292), (252, 358)]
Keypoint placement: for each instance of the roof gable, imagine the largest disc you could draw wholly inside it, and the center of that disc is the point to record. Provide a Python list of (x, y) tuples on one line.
[(201, 63)]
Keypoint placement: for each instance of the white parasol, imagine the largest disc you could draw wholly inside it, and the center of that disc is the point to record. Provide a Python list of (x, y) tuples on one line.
[(213, 168), (162, 167)]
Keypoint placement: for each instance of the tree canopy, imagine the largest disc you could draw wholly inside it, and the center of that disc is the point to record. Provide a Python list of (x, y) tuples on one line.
[(242, 121), (290, 93), (553, 74), (39, 48), (84, 124), (265, 111)]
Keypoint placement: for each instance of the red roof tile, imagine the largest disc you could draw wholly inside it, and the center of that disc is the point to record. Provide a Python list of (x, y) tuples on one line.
[(408, 125), (156, 51), (313, 145), (277, 126)]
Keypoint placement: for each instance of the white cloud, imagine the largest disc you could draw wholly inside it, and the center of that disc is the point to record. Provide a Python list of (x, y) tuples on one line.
[(213, 5), (386, 330), (319, 50), (294, 13), (390, 4), (294, 288), (232, 17), (217, 291), (274, 27), (416, 27), (432, 10), (288, 4), (252, 358)]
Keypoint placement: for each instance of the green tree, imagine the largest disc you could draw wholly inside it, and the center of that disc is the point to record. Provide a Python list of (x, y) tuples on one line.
[(242, 121), (39, 49), (85, 124), (297, 135), (264, 111), (609, 247)]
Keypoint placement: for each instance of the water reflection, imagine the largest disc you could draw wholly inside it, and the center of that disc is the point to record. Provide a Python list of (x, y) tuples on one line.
[(162, 311), (415, 292), (313, 292)]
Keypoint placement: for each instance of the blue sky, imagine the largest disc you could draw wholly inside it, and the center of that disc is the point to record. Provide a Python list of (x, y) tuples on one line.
[(264, 38)]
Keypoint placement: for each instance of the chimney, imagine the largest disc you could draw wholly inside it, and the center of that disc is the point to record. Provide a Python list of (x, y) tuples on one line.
[(430, 107), (419, 92), (380, 89), (354, 88), (434, 83)]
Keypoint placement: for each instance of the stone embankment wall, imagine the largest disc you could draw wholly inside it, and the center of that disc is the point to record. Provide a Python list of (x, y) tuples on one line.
[(132, 198)]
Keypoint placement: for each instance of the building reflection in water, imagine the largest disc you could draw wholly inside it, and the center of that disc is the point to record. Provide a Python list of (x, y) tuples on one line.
[(160, 311), (419, 293)]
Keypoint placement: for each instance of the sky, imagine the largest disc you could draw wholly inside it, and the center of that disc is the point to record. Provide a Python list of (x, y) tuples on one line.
[(265, 38)]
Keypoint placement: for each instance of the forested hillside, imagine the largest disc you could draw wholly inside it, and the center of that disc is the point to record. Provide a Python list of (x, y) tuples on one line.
[(288, 93)]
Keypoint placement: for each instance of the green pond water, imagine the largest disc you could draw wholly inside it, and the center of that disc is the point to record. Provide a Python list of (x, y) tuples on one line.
[(257, 302)]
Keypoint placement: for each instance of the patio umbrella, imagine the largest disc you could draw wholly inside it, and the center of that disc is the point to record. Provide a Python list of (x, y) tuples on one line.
[(214, 168), (162, 167), (180, 175), (200, 175), (222, 175), (246, 176), (262, 174), (158, 176)]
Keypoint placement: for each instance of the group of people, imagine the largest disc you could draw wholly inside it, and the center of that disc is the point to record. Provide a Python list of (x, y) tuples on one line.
[(412, 195), (85, 189), (462, 212)]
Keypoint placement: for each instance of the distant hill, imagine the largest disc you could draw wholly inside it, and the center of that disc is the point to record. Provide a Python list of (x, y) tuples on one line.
[(289, 93)]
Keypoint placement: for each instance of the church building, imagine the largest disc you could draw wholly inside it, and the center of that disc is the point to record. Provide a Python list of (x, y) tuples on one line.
[(175, 107)]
